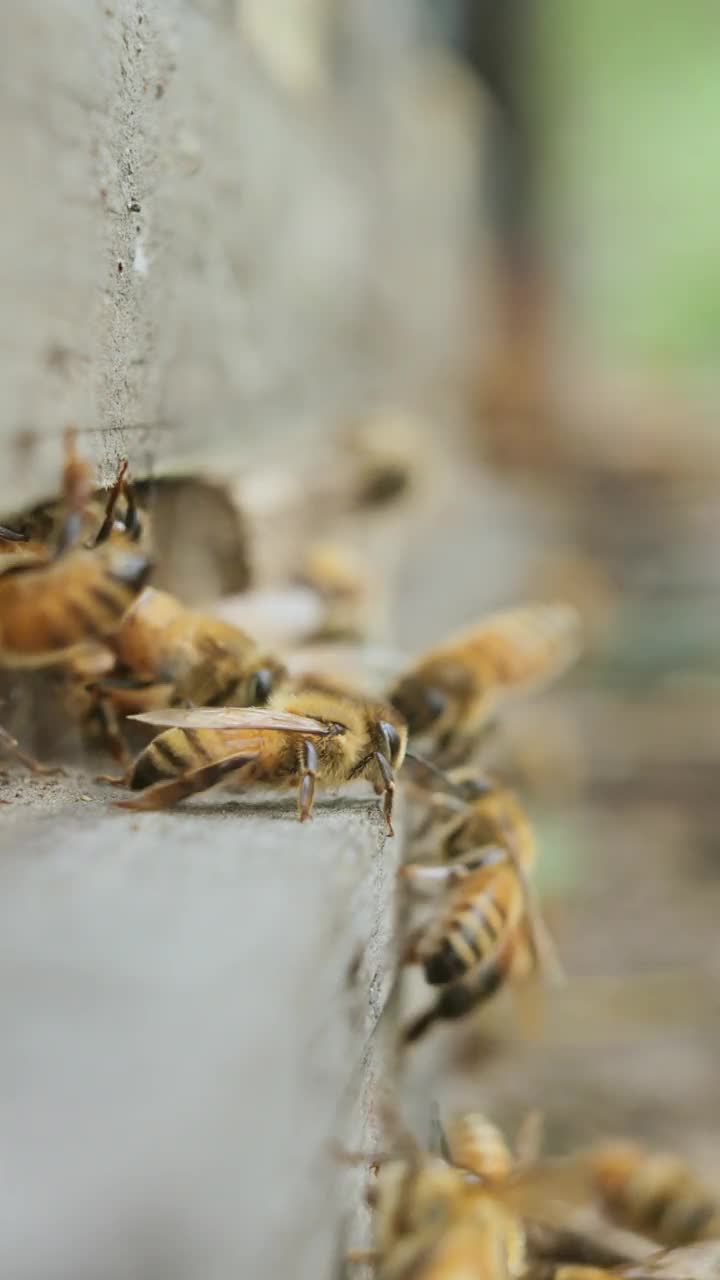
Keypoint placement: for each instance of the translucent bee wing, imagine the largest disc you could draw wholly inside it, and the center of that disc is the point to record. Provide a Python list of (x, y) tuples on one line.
[(260, 719)]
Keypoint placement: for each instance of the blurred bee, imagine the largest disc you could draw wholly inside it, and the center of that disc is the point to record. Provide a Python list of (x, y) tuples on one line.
[(468, 811), (387, 455), (475, 1144), (56, 604), (692, 1262), (73, 593), (489, 929), (653, 1193), (345, 590), (451, 693), (430, 1222), (166, 654), (307, 734)]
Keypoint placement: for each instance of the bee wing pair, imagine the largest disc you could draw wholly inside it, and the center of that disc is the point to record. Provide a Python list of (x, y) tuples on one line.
[(260, 719)]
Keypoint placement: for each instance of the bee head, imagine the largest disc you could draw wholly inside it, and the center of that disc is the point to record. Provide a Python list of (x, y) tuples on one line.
[(421, 705)]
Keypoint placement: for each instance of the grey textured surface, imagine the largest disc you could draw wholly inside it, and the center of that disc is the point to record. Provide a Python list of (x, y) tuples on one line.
[(180, 1037), (195, 260)]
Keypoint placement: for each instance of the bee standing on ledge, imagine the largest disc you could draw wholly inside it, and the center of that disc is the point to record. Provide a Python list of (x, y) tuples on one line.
[(452, 692), (307, 735), (56, 604), (51, 605)]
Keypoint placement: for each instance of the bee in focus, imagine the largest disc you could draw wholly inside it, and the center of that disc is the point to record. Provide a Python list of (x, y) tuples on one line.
[(488, 929), (653, 1193), (307, 735), (166, 654), (451, 693)]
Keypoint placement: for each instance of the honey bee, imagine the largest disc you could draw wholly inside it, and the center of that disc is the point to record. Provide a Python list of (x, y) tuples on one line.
[(431, 1222), (451, 693), (489, 929), (691, 1262), (55, 605), (469, 811), (50, 605), (654, 1193), (477, 1145), (166, 654), (201, 659), (306, 735), (345, 590)]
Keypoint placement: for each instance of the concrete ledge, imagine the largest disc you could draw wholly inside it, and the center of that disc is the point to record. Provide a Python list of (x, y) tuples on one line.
[(183, 1027)]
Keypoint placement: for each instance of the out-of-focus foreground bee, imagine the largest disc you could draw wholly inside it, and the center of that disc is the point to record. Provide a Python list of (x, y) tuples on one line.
[(483, 1211), (488, 929), (345, 589), (476, 1211), (431, 1222), (306, 735), (654, 1193), (451, 693)]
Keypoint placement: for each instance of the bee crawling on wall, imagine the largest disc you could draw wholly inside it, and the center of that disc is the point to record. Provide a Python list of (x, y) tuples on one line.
[(488, 929), (309, 734), (449, 695), (476, 1208), (431, 1221)]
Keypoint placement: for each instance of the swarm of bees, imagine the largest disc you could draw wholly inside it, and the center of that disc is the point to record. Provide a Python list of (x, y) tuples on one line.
[(226, 708)]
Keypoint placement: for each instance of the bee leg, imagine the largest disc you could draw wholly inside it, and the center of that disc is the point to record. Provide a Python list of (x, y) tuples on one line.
[(109, 724), (308, 755), (388, 788), (106, 527), (8, 743), (133, 523), (164, 794)]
